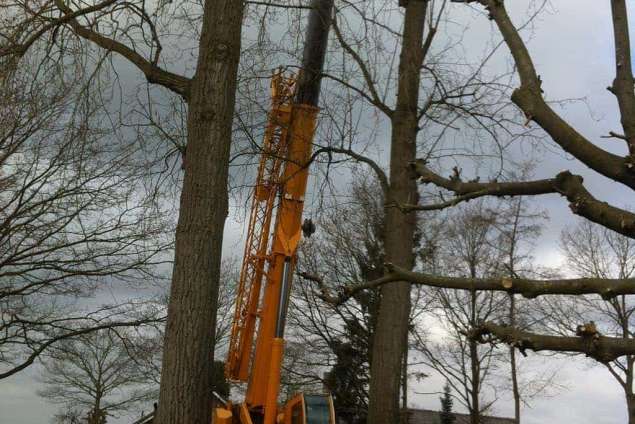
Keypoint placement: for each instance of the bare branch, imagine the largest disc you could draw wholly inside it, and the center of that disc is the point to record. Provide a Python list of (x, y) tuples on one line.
[(376, 100), (280, 5), (530, 99), (379, 172), (529, 288), (154, 74), (36, 352), (602, 349), (566, 184)]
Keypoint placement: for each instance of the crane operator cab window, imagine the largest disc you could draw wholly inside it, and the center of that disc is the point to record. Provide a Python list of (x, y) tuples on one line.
[(310, 409), (319, 409)]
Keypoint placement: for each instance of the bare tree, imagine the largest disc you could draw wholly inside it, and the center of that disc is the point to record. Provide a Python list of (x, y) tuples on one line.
[(593, 251), (399, 72), (95, 376), (133, 32), (518, 226), (467, 249), (529, 98), (74, 216)]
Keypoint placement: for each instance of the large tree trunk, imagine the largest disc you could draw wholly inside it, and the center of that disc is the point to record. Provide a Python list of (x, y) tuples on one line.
[(474, 389), (404, 383), (394, 309), (630, 404), (512, 359), (475, 367), (627, 384), (188, 355)]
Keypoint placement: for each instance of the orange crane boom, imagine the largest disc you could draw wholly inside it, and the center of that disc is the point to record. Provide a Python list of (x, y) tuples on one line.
[(269, 258), (256, 247)]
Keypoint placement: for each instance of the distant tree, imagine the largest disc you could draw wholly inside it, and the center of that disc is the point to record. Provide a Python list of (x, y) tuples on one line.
[(348, 381), (446, 414), (595, 252), (74, 215), (519, 225), (95, 376), (467, 250), (68, 416)]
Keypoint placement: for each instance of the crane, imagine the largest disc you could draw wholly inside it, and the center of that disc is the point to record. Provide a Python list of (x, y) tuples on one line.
[(273, 234)]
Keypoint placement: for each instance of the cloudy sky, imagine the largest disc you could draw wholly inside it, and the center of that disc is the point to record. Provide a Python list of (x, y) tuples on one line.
[(572, 48)]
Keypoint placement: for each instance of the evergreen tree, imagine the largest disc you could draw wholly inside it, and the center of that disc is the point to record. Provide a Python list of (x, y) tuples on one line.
[(446, 415)]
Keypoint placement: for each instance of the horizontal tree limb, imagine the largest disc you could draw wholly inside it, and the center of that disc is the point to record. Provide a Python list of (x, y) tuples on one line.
[(529, 288), (601, 348)]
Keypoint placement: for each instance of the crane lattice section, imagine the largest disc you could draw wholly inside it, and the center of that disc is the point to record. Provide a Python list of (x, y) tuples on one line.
[(254, 265)]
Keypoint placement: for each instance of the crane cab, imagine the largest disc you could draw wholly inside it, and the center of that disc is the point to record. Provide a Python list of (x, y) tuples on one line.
[(309, 409), (300, 409)]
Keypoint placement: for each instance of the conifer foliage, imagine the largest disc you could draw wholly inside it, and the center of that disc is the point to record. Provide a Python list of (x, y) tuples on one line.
[(446, 415)]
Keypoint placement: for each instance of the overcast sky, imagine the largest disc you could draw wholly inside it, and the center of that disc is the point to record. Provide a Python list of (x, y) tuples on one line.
[(572, 49)]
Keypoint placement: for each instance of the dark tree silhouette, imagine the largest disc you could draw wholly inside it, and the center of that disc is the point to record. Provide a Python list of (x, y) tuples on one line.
[(446, 415)]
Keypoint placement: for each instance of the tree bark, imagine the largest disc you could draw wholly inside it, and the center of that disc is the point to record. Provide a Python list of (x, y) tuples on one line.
[(186, 377), (474, 362), (594, 345), (474, 386), (512, 360), (404, 383), (630, 404), (394, 308), (475, 370)]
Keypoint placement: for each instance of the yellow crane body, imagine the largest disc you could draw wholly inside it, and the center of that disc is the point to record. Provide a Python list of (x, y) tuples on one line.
[(255, 257)]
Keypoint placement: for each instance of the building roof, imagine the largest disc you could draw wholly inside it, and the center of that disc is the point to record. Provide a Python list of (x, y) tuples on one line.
[(425, 416)]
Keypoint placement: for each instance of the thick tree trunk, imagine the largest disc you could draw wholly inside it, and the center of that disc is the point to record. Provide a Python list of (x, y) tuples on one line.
[(475, 368), (630, 404), (474, 389), (515, 389), (628, 380), (394, 309), (512, 359), (188, 356), (404, 383)]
